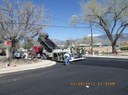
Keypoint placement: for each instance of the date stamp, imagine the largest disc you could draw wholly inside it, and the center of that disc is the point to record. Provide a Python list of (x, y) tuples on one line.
[(93, 83)]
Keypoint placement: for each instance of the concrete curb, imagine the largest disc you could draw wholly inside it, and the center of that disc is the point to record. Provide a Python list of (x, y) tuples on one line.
[(116, 57), (43, 64)]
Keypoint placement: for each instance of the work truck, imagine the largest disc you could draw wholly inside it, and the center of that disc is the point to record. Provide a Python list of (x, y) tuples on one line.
[(51, 50)]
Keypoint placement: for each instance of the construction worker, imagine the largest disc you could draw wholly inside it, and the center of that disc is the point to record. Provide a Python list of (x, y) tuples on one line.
[(66, 58)]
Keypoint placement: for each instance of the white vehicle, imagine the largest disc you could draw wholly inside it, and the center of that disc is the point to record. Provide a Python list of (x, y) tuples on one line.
[(74, 57), (20, 53)]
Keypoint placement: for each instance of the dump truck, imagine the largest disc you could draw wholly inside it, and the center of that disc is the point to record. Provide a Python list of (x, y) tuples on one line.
[(51, 50)]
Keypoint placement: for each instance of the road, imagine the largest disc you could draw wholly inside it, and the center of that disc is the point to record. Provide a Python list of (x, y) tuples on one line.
[(93, 76)]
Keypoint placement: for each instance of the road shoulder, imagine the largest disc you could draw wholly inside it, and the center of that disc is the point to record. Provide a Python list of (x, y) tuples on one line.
[(40, 64)]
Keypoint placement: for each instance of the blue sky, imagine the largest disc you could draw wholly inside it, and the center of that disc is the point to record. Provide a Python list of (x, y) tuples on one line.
[(61, 12)]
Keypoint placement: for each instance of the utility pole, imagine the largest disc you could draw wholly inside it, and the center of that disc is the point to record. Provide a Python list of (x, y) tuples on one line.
[(91, 38)]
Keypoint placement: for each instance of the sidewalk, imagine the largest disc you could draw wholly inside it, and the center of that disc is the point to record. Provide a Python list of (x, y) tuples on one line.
[(108, 56), (40, 64)]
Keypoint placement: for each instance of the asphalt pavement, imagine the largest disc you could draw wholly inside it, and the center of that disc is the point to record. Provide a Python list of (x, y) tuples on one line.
[(93, 76)]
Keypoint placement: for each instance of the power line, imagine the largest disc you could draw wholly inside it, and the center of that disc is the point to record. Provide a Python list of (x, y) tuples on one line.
[(67, 27), (57, 26), (45, 25), (60, 19)]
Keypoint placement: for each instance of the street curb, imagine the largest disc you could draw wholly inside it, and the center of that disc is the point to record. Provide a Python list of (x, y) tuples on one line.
[(115, 57), (47, 63)]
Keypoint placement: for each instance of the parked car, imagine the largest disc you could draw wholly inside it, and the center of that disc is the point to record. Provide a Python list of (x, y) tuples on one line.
[(20, 53)]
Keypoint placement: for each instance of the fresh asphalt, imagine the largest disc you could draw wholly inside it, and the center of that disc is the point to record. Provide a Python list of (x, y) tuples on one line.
[(58, 79)]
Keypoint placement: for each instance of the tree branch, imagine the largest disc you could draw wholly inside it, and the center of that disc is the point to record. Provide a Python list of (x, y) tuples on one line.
[(113, 26), (122, 10)]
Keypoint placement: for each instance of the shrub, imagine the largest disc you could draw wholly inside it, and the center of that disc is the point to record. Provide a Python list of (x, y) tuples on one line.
[(124, 48)]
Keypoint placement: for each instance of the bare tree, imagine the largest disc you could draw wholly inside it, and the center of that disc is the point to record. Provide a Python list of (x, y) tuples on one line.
[(74, 20), (69, 42), (20, 19), (111, 16)]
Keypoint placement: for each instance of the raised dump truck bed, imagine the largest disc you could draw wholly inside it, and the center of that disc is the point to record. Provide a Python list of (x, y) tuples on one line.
[(52, 51)]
